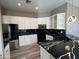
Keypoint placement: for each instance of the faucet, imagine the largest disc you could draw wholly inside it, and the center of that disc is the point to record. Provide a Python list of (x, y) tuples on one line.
[(69, 53), (65, 55), (72, 49)]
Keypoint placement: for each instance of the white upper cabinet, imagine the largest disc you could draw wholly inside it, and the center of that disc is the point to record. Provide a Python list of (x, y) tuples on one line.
[(23, 22), (28, 23), (44, 20), (58, 21)]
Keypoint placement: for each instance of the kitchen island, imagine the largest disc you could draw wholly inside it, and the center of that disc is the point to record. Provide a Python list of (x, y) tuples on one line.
[(55, 49)]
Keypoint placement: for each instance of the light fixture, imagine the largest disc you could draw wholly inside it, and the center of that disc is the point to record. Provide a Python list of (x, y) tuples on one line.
[(67, 47), (28, 1), (72, 18), (36, 8), (19, 4)]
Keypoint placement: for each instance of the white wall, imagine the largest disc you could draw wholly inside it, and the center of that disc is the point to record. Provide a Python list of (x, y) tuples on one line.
[(1, 42), (73, 28)]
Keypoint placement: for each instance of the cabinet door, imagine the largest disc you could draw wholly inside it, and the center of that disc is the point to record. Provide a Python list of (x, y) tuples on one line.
[(33, 24), (52, 22), (24, 40), (44, 54), (34, 38), (7, 52), (61, 21), (55, 21), (30, 39), (30, 23), (21, 41)]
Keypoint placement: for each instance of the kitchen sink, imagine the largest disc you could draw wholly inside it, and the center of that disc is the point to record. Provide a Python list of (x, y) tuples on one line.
[(47, 45)]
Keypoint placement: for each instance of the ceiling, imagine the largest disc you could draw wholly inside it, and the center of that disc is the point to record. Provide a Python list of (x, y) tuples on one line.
[(45, 6)]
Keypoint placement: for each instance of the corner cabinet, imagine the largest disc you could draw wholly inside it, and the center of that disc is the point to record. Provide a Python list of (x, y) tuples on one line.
[(44, 54), (58, 21), (7, 52)]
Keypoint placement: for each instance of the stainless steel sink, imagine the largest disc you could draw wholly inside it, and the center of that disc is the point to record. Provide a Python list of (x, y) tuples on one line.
[(55, 43)]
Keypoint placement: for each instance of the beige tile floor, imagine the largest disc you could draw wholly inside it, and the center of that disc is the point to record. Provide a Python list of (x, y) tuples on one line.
[(27, 52)]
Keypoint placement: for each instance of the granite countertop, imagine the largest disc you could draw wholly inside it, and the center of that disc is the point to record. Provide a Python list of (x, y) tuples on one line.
[(59, 49)]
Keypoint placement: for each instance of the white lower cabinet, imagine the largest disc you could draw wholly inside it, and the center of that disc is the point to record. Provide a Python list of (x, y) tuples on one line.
[(44, 54), (51, 57), (7, 52), (27, 40)]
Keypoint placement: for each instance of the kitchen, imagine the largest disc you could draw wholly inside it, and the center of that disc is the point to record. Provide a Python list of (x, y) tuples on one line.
[(50, 31)]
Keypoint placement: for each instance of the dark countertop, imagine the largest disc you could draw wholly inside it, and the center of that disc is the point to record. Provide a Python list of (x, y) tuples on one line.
[(59, 49)]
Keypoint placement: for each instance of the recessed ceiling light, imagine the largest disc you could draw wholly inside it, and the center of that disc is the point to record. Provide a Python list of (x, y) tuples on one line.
[(36, 8), (19, 4)]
